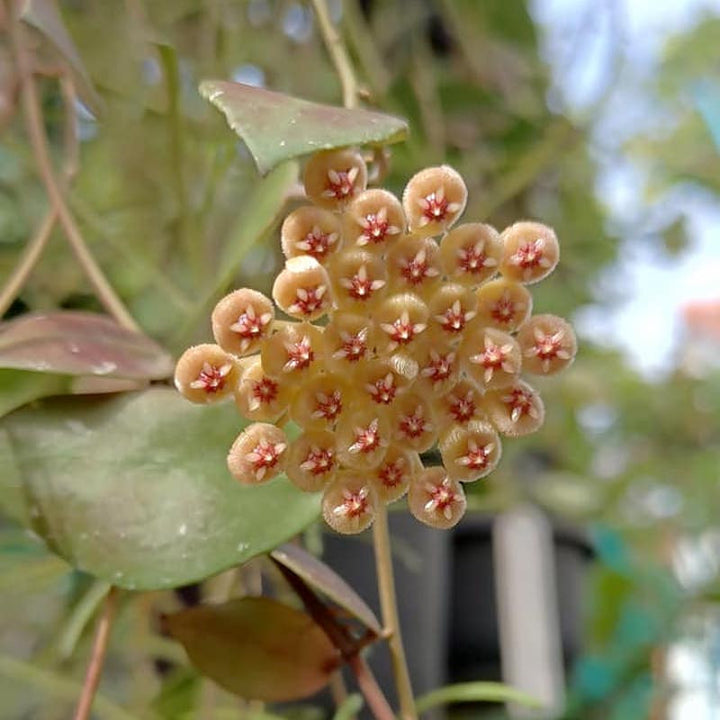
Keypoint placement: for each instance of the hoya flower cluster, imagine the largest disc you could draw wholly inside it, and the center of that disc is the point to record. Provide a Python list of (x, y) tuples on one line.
[(407, 332)]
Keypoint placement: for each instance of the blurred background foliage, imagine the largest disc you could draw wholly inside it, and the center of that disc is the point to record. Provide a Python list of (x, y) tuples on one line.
[(174, 211)]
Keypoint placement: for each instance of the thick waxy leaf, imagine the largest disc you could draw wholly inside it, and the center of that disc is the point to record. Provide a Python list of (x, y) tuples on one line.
[(323, 578), (43, 15), (257, 648), (278, 127), (135, 490), (474, 692), (80, 343), (18, 387)]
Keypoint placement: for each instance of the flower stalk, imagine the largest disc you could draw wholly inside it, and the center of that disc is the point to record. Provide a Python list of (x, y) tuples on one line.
[(391, 622)]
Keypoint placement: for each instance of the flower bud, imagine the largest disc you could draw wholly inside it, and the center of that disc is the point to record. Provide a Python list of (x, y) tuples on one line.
[(401, 318), (349, 503), (548, 344), (413, 424), (414, 266), (295, 350), (503, 304), (439, 364), (491, 357), (310, 231), (383, 378), (319, 402), (434, 199), (470, 452), (206, 373), (241, 320), (311, 460), (358, 280), (333, 178), (461, 405), (515, 410), (471, 253), (391, 478), (373, 219), (452, 307), (530, 253), (363, 437), (349, 340), (259, 396), (302, 289), (258, 454), (435, 499)]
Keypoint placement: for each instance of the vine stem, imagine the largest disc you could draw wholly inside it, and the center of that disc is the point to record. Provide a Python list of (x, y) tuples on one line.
[(97, 658), (348, 648), (338, 54), (388, 605), (31, 254), (39, 143)]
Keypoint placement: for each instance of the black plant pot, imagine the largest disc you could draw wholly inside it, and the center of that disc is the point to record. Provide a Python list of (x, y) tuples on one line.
[(447, 597)]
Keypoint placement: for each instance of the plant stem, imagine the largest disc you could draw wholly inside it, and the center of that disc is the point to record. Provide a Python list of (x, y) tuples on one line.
[(30, 256), (97, 658), (338, 54), (391, 623), (348, 647), (39, 143)]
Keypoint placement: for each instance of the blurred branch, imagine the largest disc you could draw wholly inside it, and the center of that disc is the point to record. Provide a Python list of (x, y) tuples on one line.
[(31, 254), (361, 37), (36, 245), (39, 143), (338, 54), (95, 225), (97, 659)]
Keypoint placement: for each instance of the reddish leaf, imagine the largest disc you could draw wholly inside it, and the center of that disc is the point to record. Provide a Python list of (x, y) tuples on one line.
[(256, 648), (278, 127), (323, 578), (80, 343)]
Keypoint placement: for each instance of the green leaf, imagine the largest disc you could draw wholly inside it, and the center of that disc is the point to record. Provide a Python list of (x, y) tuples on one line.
[(18, 387), (80, 343), (322, 577), (134, 488), (256, 648), (277, 127), (474, 692), (43, 15)]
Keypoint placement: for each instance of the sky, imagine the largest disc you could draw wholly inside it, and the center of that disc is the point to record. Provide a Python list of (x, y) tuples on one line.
[(580, 39)]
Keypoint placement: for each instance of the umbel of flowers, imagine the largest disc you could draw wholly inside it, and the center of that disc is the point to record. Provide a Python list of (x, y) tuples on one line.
[(406, 331)]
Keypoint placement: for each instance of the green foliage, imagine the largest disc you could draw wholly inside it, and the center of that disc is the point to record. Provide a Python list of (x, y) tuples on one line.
[(277, 127), (134, 488)]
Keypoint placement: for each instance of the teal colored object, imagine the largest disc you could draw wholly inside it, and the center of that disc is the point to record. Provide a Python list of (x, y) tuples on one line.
[(706, 95), (611, 548), (595, 678)]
